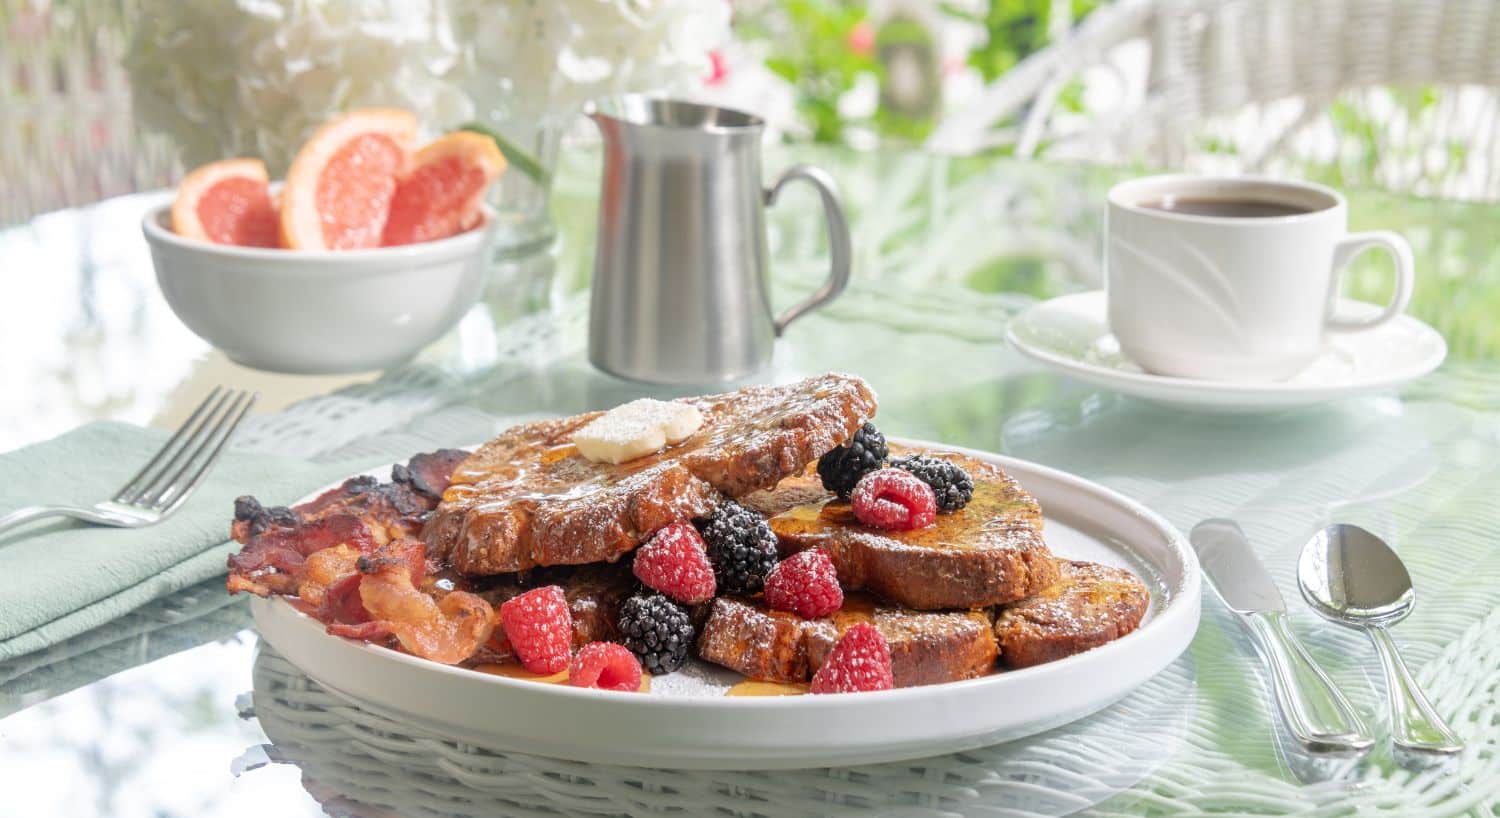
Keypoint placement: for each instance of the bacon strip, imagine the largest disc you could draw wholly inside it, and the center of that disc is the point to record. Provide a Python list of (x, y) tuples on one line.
[(361, 512), (430, 473), (273, 562), (325, 570), (391, 510), (449, 630), (341, 606), (349, 558)]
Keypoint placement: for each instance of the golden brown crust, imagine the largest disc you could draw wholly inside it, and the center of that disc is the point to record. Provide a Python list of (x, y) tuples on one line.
[(744, 636), (988, 553), (1089, 605), (528, 498), (926, 647)]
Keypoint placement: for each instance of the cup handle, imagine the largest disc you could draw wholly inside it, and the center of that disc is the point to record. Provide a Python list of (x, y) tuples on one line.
[(1354, 244), (838, 239)]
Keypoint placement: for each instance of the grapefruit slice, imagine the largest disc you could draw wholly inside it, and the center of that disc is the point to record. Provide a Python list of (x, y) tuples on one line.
[(226, 202), (442, 194), (338, 191)]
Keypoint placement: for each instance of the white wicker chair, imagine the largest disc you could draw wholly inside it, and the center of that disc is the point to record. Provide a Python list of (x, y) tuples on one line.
[(67, 136), (1399, 94)]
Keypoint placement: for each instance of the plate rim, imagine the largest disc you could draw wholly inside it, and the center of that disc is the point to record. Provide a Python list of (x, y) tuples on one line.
[(1198, 391), (1178, 606)]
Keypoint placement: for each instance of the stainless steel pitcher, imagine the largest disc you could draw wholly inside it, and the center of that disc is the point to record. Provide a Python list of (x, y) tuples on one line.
[(680, 291)]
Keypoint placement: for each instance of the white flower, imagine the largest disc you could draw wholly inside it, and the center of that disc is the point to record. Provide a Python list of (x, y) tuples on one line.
[(540, 59), (257, 77)]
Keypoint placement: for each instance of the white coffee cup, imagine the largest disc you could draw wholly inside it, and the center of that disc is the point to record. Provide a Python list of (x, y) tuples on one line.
[(1240, 298)]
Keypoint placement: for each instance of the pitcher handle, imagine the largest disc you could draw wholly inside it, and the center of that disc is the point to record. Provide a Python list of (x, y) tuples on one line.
[(838, 239)]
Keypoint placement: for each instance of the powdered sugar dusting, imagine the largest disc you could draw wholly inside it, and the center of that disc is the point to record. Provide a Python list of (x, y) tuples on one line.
[(696, 678), (1090, 604), (529, 497)]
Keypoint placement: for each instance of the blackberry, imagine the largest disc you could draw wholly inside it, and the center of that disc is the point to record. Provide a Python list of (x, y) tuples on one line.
[(952, 485), (841, 468), (741, 547), (657, 630)]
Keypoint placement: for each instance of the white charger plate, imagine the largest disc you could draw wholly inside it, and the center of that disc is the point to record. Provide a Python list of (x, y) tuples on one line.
[(687, 723), (1071, 334)]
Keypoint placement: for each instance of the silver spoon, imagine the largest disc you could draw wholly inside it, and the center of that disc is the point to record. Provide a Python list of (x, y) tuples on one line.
[(1351, 577)]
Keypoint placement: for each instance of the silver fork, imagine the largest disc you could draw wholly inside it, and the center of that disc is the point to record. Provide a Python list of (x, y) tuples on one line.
[(161, 487)]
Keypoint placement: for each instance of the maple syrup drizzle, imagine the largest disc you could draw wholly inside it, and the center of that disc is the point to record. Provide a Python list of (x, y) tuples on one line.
[(556, 453), (755, 687), (511, 670), (857, 608), (999, 505), (509, 474)]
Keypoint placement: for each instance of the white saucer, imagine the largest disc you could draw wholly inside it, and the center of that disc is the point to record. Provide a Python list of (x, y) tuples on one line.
[(1071, 334)]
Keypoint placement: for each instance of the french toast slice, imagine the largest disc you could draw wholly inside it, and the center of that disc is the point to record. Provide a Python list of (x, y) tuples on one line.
[(528, 498), (926, 647), (1089, 605), (988, 553)]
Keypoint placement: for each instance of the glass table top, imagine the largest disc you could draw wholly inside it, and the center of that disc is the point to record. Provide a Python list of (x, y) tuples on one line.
[(173, 712)]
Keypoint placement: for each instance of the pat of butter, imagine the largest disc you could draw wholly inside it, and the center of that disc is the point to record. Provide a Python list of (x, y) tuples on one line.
[(636, 429)]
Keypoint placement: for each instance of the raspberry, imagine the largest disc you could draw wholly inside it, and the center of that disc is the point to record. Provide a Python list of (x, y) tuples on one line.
[(606, 666), (806, 584), (540, 629), (860, 660), (675, 563), (893, 498), (952, 485)]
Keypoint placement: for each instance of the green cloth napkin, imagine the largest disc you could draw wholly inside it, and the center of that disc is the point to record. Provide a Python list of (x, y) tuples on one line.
[(59, 578)]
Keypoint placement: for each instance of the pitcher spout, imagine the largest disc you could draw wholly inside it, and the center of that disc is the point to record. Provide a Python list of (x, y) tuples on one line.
[(638, 111)]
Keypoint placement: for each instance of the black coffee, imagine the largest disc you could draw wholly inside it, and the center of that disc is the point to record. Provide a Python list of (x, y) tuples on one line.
[(1226, 208)]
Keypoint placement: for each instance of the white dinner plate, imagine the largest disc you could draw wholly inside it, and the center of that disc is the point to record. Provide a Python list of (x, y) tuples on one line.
[(1071, 334), (686, 722)]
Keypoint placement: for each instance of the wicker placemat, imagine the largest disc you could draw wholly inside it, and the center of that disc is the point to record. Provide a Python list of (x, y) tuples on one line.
[(347, 753)]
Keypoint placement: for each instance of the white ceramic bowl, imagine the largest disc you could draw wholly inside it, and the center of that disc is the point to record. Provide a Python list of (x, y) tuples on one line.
[(318, 312)]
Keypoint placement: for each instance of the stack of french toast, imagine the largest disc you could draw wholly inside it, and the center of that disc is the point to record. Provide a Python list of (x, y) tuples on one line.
[(771, 530)]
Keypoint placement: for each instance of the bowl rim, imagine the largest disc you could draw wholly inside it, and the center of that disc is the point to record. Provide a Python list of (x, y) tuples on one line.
[(156, 231)]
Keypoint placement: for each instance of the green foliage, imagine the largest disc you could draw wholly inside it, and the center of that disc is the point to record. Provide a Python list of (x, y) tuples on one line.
[(824, 47), (1016, 29), (518, 158), (811, 49), (1350, 121), (1367, 145), (1011, 274), (907, 120)]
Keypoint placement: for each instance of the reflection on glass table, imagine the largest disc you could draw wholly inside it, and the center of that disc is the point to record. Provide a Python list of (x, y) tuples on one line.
[(994, 234)]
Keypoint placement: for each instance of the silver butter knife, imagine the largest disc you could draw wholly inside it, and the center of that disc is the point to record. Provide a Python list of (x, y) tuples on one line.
[(1315, 712)]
